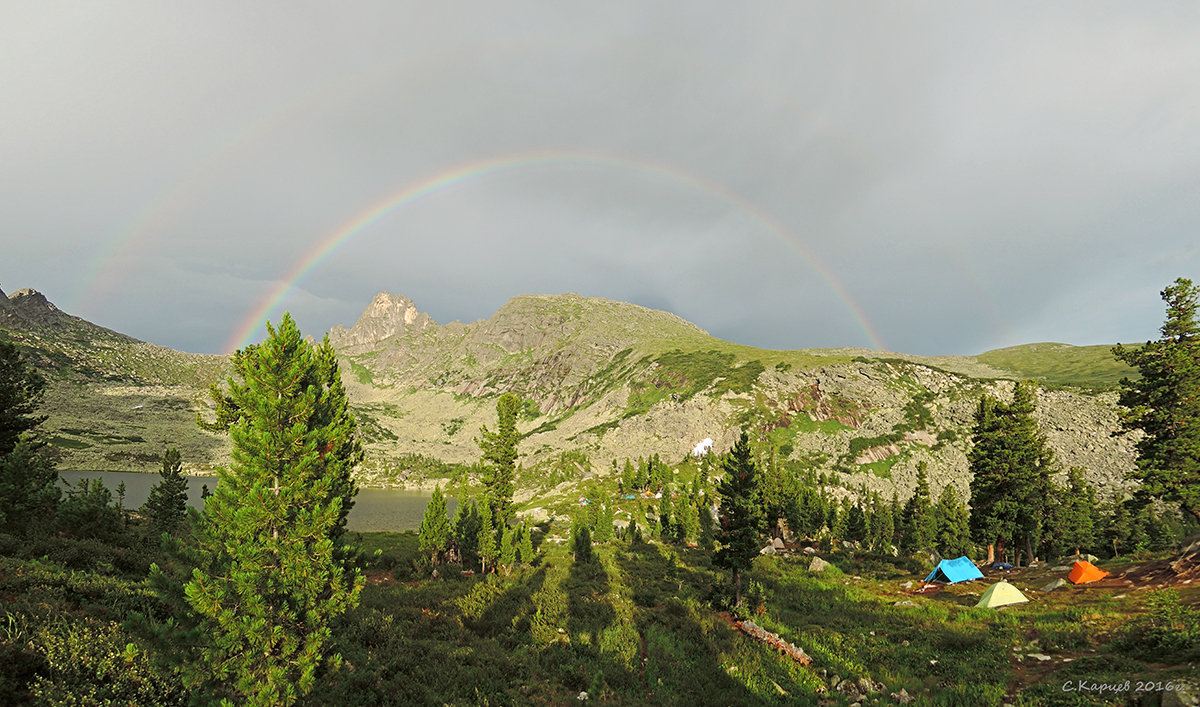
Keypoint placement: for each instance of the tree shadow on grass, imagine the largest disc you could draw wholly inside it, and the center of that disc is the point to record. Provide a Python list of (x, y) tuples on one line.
[(691, 656)]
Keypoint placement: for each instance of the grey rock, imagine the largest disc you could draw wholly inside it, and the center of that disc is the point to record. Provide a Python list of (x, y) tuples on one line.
[(818, 565), (902, 697), (1060, 582)]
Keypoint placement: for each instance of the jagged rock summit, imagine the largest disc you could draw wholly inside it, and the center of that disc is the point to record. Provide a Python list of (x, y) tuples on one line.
[(29, 310), (386, 316)]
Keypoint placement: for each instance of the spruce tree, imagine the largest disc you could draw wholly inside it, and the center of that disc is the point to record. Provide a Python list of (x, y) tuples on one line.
[(883, 526), (1118, 525), (508, 548), (857, 525), (166, 506), (605, 517), (500, 458), (1077, 511), (488, 549), (920, 525), (434, 536), (741, 519), (1011, 466), (526, 546), (274, 573), (953, 524), (29, 489), (1164, 402), (690, 522), (466, 532), (21, 392)]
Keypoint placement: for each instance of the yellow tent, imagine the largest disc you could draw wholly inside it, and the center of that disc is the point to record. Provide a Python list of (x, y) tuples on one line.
[(1001, 594)]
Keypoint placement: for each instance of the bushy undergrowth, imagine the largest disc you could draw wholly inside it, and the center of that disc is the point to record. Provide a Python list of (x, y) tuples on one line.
[(1169, 630)]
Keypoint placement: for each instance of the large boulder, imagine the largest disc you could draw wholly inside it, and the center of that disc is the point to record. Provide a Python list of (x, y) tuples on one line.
[(818, 565)]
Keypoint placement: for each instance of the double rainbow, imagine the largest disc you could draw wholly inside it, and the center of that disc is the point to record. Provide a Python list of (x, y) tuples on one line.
[(460, 174)]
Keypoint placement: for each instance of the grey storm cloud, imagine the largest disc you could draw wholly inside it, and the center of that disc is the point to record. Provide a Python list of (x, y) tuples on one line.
[(926, 177)]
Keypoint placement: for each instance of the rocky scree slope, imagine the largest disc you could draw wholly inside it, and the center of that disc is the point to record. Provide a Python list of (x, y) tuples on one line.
[(607, 380)]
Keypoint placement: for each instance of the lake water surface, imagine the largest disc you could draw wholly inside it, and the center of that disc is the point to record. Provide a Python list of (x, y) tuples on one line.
[(374, 509)]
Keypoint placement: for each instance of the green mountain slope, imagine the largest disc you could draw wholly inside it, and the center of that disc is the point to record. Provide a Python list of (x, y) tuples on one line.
[(1061, 364), (599, 380)]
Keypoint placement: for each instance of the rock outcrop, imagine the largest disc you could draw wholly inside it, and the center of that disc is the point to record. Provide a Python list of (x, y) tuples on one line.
[(387, 315)]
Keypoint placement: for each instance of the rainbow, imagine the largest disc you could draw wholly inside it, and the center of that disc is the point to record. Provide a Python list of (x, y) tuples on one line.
[(454, 176)]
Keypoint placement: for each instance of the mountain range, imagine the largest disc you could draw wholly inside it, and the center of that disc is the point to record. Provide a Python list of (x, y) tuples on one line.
[(599, 381)]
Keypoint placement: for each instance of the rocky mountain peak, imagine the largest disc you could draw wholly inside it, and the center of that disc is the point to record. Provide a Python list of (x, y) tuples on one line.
[(30, 307), (387, 315), (30, 299)]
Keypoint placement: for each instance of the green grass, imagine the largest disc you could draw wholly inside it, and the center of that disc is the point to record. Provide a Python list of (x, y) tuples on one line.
[(1061, 364), (639, 624)]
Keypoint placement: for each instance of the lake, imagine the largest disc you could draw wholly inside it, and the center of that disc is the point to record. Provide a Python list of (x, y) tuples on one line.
[(374, 509)]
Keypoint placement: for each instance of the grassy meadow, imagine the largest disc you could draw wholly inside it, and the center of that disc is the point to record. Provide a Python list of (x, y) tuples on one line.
[(641, 623)]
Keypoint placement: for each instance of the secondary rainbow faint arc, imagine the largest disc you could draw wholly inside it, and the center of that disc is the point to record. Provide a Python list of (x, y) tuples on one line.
[(503, 163)]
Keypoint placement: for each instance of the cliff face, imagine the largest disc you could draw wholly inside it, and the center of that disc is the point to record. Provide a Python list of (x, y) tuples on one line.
[(386, 316)]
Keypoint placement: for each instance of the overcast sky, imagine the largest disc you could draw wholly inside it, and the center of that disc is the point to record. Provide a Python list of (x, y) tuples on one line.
[(927, 178)]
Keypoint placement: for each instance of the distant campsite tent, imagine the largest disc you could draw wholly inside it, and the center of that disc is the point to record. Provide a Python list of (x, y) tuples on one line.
[(1001, 594), (956, 570), (1084, 572)]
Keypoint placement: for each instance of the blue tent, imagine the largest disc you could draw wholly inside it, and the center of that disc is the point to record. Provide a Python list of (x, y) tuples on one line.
[(956, 570)]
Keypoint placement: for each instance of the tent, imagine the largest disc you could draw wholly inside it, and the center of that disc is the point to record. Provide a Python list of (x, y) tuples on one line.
[(1084, 572), (1001, 594), (956, 570)]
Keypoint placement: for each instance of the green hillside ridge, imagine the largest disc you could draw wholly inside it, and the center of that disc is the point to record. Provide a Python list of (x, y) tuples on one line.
[(599, 380), (1061, 364)]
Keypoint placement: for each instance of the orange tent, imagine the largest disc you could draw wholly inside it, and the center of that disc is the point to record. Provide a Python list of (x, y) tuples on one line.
[(1084, 572)]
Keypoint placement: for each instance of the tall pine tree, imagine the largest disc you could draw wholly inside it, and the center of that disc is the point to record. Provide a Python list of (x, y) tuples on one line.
[(29, 489), (1164, 402), (500, 458), (274, 573), (920, 526), (741, 517), (166, 506), (1011, 466), (953, 524), (433, 538)]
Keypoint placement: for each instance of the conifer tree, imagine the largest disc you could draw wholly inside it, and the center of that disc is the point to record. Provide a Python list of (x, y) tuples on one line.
[(664, 515), (628, 477), (21, 392), (500, 458), (920, 526), (1077, 508), (740, 516), (526, 546), (273, 572), (466, 532), (1164, 402), (166, 506), (690, 520), (839, 515), (1011, 466), (953, 524), (581, 542), (897, 519), (434, 536), (857, 528), (882, 526), (488, 549), (29, 489), (508, 548), (605, 517)]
